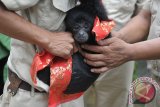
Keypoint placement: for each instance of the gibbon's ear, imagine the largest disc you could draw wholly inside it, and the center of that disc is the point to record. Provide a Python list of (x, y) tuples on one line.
[(100, 10), (98, 6)]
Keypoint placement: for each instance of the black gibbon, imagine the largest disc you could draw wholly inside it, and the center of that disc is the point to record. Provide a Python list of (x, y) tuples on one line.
[(79, 21)]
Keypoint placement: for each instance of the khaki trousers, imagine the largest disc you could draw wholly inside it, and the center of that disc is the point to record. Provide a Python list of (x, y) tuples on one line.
[(31, 99), (111, 89)]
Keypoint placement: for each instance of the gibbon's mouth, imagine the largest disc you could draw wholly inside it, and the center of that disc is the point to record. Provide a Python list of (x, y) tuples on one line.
[(81, 38)]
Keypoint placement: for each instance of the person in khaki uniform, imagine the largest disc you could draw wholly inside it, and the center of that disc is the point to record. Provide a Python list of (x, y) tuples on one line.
[(120, 49), (42, 26), (111, 88)]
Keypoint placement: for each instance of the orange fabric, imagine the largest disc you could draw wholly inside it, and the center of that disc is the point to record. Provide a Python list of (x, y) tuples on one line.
[(102, 29), (60, 76), (61, 69), (40, 61)]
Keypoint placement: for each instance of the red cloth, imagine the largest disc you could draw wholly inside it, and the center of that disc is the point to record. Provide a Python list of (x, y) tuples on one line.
[(61, 69), (102, 29), (60, 76)]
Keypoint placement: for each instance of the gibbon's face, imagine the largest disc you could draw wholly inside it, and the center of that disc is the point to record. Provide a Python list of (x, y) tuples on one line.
[(82, 31)]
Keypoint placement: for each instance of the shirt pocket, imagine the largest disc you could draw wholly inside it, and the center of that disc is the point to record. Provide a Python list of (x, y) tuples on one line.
[(158, 20), (19, 4), (121, 5), (112, 4), (157, 30), (153, 9), (64, 5), (155, 27), (1, 98), (50, 14), (128, 5)]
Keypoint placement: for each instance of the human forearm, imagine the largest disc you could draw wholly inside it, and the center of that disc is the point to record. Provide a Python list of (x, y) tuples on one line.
[(147, 50), (57, 43), (17, 27), (113, 52), (137, 29)]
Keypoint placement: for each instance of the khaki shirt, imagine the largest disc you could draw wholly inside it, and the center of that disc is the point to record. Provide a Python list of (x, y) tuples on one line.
[(48, 14), (122, 10), (154, 6)]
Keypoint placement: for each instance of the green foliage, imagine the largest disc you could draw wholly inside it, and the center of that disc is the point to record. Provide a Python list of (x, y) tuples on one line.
[(135, 74)]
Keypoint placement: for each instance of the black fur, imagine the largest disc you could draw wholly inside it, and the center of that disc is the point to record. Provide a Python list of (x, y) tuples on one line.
[(79, 21)]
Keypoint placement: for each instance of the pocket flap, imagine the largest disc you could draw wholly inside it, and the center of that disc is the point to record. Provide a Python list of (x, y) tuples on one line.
[(64, 5)]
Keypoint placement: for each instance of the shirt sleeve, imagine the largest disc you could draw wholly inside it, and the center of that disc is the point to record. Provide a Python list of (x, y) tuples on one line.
[(147, 5), (141, 4), (16, 5)]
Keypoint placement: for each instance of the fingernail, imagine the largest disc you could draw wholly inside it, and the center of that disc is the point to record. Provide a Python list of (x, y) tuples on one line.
[(92, 70), (82, 46), (100, 42)]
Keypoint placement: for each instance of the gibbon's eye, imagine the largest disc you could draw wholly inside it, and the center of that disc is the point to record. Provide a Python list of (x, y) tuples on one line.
[(86, 26), (76, 27)]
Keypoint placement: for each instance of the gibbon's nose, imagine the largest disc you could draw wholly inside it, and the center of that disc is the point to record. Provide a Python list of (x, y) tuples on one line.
[(81, 33), (81, 36)]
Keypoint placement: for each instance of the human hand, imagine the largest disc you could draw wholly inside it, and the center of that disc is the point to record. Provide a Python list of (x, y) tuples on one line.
[(111, 53), (116, 34), (60, 44)]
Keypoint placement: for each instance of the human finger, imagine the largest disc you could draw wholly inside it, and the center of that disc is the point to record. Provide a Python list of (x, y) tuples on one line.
[(92, 57), (93, 48), (107, 42), (100, 70), (95, 63)]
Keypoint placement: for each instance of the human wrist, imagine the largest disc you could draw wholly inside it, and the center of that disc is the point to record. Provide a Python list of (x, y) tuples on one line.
[(131, 53), (119, 34), (136, 51), (43, 39)]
